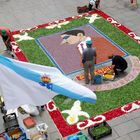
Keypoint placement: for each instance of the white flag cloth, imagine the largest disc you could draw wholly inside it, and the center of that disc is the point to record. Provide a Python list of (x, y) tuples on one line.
[(26, 83)]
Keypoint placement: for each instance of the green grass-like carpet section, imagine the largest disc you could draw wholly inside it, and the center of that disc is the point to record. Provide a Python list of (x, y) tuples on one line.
[(106, 100)]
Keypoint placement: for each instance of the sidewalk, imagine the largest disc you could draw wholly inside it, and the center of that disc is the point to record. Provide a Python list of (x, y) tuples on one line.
[(22, 14)]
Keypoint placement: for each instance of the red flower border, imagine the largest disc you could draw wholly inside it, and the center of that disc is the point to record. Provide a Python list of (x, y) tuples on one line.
[(54, 112), (66, 129)]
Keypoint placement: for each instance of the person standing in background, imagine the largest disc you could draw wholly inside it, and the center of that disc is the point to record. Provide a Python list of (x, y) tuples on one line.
[(6, 39), (133, 4), (89, 61)]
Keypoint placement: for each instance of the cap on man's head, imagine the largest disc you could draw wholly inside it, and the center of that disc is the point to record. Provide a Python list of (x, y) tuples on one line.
[(89, 42), (3, 32)]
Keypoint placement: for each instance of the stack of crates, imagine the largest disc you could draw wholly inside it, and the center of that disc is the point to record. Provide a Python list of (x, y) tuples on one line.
[(12, 129)]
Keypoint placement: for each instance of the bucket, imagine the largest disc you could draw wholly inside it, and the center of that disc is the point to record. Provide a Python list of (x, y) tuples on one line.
[(98, 79)]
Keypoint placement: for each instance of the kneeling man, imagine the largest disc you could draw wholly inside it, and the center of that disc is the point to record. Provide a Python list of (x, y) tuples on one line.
[(119, 64)]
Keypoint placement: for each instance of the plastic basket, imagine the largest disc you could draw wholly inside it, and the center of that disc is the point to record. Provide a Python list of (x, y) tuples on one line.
[(92, 129), (82, 9)]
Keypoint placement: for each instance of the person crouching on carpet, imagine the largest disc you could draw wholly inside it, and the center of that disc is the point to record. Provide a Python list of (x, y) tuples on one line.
[(119, 64), (94, 3), (89, 61)]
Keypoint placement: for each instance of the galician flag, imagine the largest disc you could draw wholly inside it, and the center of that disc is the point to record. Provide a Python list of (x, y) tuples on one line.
[(26, 83)]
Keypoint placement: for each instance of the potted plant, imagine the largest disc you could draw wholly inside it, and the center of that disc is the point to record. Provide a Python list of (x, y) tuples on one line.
[(99, 131)]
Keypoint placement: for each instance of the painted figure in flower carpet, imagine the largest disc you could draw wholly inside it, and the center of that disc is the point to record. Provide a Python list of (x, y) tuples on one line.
[(75, 37)]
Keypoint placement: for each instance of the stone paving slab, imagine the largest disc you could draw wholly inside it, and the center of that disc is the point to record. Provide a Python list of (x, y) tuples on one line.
[(132, 115), (135, 135), (137, 121), (126, 137), (126, 128), (117, 121), (55, 136)]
